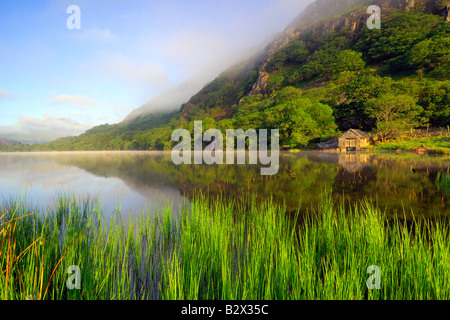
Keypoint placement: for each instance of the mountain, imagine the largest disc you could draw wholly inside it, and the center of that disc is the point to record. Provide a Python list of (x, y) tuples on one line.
[(172, 99), (8, 142), (325, 73)]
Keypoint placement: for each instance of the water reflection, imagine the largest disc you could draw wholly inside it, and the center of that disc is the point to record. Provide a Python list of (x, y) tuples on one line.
[(43, 176), (139, 179)]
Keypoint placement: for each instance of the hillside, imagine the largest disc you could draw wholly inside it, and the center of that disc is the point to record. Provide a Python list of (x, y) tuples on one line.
[(12, 145), (325, 73), (6, 141)]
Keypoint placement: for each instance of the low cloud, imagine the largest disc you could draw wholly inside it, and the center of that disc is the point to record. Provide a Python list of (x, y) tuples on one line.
[(148, 73), (198, 49), (120, 111), (205, 68), (79, 101), (29, 129)]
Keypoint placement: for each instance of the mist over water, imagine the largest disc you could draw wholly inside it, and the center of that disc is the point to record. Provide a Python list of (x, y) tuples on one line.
[(140, 180), (42, 177)]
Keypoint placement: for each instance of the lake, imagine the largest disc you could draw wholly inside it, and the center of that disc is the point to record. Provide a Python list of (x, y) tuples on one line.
[(146, 180)]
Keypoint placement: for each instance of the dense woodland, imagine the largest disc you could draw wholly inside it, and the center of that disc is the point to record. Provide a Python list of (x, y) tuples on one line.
[(385, 81)]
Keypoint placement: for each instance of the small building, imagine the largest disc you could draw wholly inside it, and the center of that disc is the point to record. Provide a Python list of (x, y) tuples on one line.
[(353, 140)]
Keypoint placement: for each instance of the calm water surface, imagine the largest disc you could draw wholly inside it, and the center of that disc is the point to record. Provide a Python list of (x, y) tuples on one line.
[(146, 180)]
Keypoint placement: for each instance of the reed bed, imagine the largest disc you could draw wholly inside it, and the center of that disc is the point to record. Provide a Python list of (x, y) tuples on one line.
[(443, 182), (221, 249)]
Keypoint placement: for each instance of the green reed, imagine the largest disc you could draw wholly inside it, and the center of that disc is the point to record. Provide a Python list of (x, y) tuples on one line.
[(443, 181), (221, 249)]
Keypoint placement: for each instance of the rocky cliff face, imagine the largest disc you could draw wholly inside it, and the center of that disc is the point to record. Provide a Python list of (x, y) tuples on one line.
[(320, 17), (445, 12), (331, 15)]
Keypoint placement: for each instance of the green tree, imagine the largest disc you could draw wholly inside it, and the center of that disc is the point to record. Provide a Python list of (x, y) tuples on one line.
[(394, 114), (397, 36), (348, 60), (350, 110), (430, 54), (159, 144), (249, 113), (434, 97), (325, 124), (297, 52), (286, 94), (300, 121), (277, 62)]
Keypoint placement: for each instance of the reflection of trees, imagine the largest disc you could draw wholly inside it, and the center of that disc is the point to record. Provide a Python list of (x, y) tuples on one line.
[(301, 177), (298, 179), (409, 183), (397, 182), (352, 185)]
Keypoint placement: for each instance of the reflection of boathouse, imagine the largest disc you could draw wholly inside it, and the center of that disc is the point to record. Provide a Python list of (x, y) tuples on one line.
[(353, 162), (349, 161), (353, 140)]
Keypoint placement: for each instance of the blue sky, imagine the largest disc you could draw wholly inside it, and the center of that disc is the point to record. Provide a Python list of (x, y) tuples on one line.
[(57, 82)]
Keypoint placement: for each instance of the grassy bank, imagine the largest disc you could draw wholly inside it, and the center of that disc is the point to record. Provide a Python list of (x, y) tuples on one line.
[(435, 145), (222, 250)]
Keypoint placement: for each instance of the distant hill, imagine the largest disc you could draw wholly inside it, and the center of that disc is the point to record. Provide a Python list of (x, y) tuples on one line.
[(325, 73), (13, 145), (8, 142)]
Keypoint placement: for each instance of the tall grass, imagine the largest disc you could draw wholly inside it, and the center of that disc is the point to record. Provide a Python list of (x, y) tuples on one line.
[(443, 182), (222, 250), (435, 145)]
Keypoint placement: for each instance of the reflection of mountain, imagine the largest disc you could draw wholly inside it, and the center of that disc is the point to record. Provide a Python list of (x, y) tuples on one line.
[(29, 170), (302, 177), (134, 169), (150, 173), (111, 179)]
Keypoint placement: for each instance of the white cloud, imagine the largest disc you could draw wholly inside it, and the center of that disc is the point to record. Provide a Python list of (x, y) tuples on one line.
[(68, 99), (49, 128), (192, 50), (199, 57), (153, 68), (145, 73), (121, 111)]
